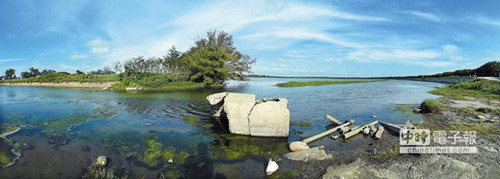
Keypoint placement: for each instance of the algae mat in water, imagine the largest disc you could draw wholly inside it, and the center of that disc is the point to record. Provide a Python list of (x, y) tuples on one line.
[(321, 83)]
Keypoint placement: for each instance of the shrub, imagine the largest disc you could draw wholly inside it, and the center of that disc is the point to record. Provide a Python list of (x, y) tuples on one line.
[(431, 106)]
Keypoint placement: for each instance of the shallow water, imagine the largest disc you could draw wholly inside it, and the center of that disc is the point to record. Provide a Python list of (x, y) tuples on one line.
[(68, 128)]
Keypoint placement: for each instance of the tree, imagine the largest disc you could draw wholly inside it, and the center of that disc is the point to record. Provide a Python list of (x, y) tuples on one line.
[(10, 74), (46, 72), (214, 59), (78, 72), (489, 69), (34, 72), (117, 67), (25, 74)]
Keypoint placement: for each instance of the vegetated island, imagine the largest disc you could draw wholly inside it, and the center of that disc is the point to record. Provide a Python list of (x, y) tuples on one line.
[(207, 64), (321, 83)]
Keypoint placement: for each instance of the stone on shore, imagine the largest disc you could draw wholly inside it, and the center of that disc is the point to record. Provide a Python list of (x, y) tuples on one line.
[(102, 161), (481, 117), (315, 153), (272, 167), (237, 107), (298, 146), (270, 118), (213, 99)]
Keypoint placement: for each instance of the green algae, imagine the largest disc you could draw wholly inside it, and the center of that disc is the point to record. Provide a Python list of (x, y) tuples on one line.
[(233, 147), (120, 142), (192, 120), (151, 152), (406, 109)]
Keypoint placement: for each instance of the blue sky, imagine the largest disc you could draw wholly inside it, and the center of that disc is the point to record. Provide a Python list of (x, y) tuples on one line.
[(291, 38)]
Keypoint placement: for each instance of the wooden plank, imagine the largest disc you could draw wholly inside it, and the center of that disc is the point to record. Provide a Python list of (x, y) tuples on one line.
[(333, 120)]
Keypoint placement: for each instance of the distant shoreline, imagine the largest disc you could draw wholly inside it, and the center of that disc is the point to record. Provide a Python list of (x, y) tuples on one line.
[(81, 85)]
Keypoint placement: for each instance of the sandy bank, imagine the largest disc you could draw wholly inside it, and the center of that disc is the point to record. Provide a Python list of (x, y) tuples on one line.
[(92, 85)]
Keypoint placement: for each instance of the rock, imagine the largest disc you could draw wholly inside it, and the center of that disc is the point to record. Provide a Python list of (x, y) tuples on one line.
[(418, 110), (149, 123), (366, 130), (490, 120), (298, 146), (170, 161), (213, 99), (131, 89), (270, 118), (481, 117), (272, 167), (373, 116), (102, 161), (237, 107), (217, 103), (373, 129), (216, 110), (315, 153)]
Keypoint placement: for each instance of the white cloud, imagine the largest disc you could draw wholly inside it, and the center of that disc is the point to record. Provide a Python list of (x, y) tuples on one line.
[(9, 60), (79, 57), (450, 48), (452, 52), (488, 21), (98, 46), (426, 15), (426, 58), (300, 34)]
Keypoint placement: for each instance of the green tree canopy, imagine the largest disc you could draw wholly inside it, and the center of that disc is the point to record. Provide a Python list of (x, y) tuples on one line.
[(214, 59)]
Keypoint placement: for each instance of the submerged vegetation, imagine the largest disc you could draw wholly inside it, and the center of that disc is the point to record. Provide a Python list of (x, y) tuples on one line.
[(320, 83), (152, 155), (477, 88)]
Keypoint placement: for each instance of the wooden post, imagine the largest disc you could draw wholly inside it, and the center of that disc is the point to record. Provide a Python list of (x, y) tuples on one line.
[(380, 131), (353, 132), (332, 120), (323, 134)]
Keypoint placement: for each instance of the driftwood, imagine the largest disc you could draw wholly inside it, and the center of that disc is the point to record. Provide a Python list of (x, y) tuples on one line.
[(391, 127), (353, 132), (302, 145), (323, 134), (344, 130), (380, 131), (333, 120)]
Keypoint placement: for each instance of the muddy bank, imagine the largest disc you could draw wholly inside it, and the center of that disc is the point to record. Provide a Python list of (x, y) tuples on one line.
[(90, 85), (381, 159)]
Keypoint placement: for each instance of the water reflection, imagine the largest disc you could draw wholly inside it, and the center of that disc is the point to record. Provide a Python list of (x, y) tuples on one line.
[(87, 124)]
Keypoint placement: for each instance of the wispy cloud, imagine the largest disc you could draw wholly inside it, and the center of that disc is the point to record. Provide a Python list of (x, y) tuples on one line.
[(9, 60), (98, 46), (426, 15), (79, 57), (488, 21), (424, 58)]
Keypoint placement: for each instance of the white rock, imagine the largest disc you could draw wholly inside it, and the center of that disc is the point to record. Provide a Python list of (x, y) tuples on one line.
[(213, 99), (366, 130), (272, 167), (170, 161), (102, 161), (481, 117), (270, 118), (373, 116), (237, 107)]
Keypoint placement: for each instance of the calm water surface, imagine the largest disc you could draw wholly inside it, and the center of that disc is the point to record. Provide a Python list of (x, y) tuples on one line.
[(65, 129)]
